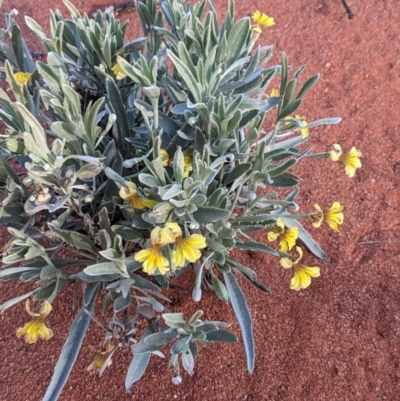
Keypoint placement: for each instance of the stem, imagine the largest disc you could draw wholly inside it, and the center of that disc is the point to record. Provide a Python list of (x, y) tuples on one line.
[(294, 216), (348, 10), (322, 155), (239, 189), (274, 132), (88, 256)]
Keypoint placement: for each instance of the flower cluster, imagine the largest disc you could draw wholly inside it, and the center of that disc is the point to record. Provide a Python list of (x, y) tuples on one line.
[(287, 240), (186, 249)]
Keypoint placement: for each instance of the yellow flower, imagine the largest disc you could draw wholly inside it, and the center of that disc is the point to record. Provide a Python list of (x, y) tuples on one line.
[(333, 216), (187, 249), (41, 195), (105, 351), (162, 236), (118, 71), (350, 160), (164, 157), (301, 274), (22, 77), (131, 194), (154, 262), (274, 93), (36, 327), (187, 163), (287, 238), (261, 21), (304, 131)]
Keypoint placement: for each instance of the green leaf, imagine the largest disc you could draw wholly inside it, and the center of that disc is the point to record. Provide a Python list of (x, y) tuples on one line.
[(134, 73), (143, 283), (10, 213), (143, 348), (261, 219), (308, 240), (289, 109), (289, 92), (11, 302), (325, 121), (100, 269), (187, 76), (15, 272), (239, 306), (281, 168), (285, 180), (21, 51), (173, 192), (307, 86), (237, 39), (36, 129), (127, 233), (223, 336), (104, 223), (188, 360), (209, 214), (73, 238), (160, 338), (237, 172), (10, 171), (219, 287), (180, 345), (90, 119), (136, 369), (74, 12), (284, 74), (69, 352), (186, 59), (257, 247), (118, 107)]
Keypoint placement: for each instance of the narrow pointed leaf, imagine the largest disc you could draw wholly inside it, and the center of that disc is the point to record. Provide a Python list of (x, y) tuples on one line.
[(239, 306), (69, 353)]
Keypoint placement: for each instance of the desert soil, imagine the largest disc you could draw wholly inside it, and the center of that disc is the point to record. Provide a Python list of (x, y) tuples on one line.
[(340, 339)]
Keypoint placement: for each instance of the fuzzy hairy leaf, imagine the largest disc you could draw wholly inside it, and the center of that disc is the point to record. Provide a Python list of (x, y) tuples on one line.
[(69, 352), (73, 238), (210, 214), (257, 247), (223, 336), (239, 306), (10, 213), (136, 369)]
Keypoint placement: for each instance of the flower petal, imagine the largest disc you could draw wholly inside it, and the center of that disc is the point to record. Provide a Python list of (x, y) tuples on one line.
[(286, 263), (272, 236), (46, 309), (162, 236)]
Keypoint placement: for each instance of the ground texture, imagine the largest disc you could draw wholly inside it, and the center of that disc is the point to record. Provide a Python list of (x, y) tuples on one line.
[(338, 340)]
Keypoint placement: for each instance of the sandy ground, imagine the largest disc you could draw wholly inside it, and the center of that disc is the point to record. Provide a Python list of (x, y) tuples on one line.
[(340, 339)]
